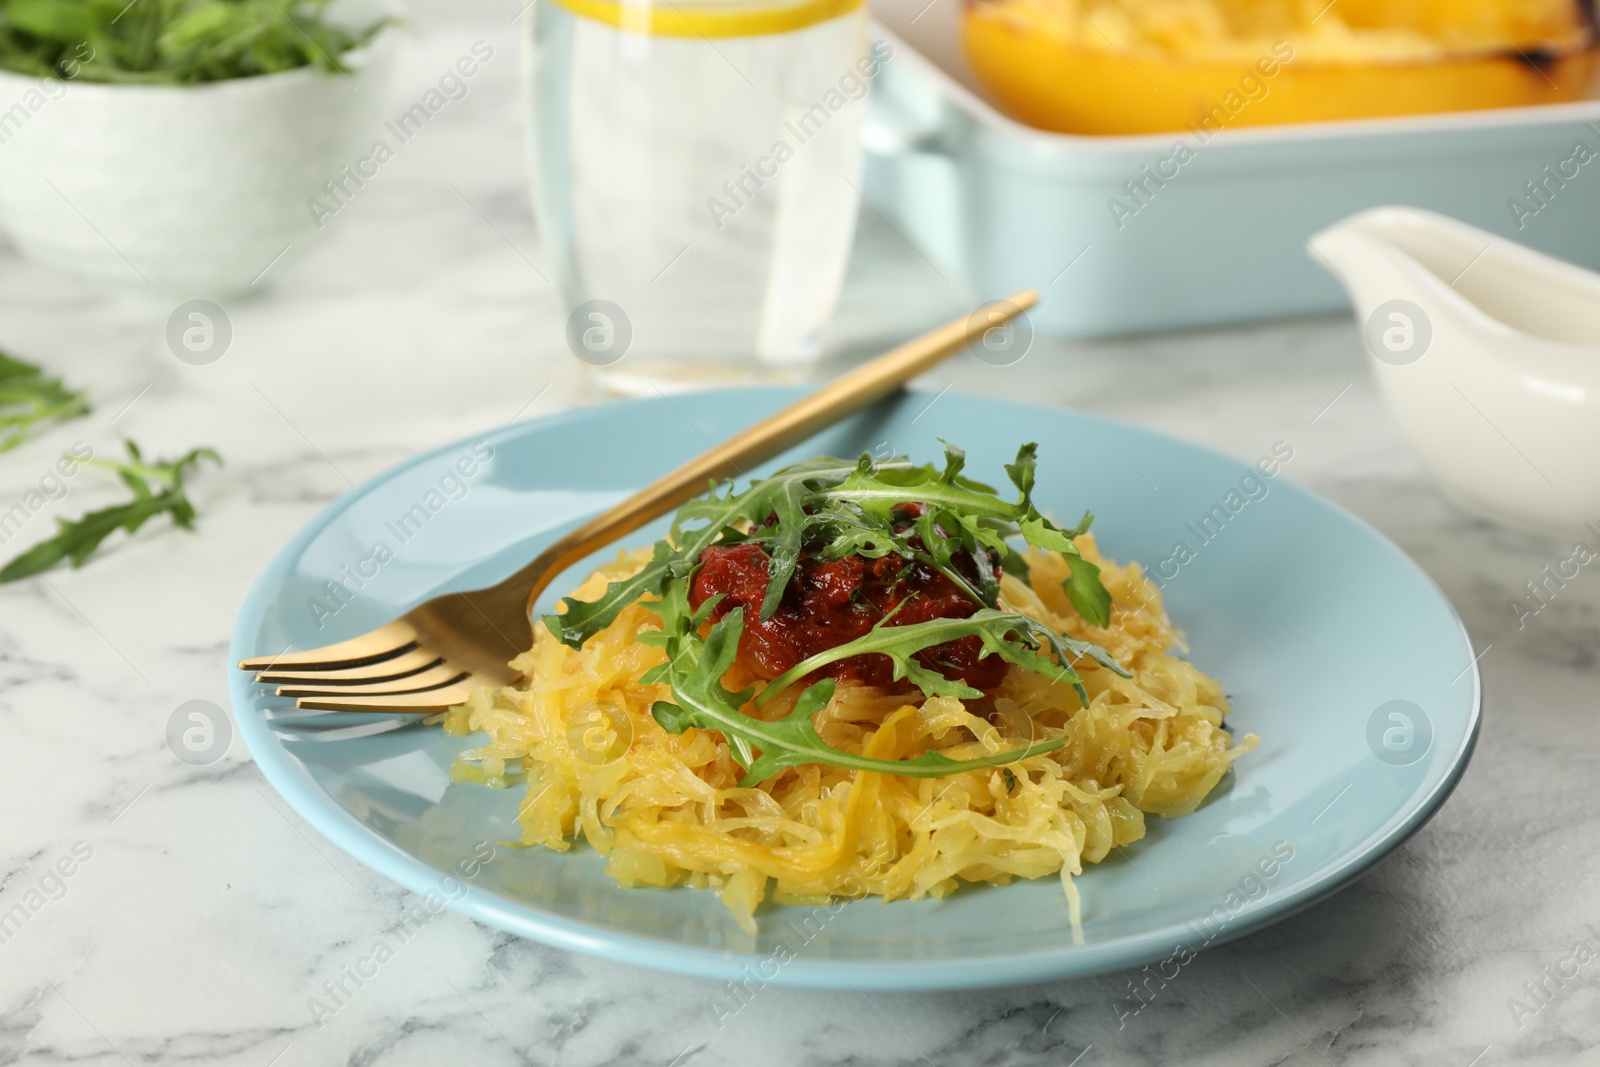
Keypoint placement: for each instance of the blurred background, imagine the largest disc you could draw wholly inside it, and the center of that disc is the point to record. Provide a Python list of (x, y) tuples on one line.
[(235, 264)]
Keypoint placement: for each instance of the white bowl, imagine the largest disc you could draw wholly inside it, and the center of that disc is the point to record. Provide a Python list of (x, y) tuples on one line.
[(193, 190)]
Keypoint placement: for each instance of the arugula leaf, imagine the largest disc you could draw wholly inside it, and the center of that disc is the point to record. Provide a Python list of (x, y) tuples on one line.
[(1083, 587), (677, 556), (850, 507), (783, 548), (1014, 562), (1012, 636), (868, 489), (28, 398), (173, 42), (1087, 593), (157, 490), (954, 460), (696, 674), (585, 618)]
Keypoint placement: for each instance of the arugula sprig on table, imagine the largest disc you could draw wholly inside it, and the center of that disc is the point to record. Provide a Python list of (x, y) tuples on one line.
[(172, 42), (158, 489), (849, 509), (28, 398)]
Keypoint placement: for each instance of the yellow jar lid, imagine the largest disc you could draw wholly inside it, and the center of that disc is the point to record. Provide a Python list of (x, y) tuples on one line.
[(667, 19)]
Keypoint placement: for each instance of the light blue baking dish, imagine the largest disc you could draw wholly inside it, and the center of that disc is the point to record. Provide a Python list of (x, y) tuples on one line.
[(1006, 206)]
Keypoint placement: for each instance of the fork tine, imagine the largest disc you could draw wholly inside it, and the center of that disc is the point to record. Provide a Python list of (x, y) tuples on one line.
[(384, 643), (433, 678), (430, 703), (409, 663)]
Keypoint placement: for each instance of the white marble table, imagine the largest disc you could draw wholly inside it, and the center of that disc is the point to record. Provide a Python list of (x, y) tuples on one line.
[(200, 915)]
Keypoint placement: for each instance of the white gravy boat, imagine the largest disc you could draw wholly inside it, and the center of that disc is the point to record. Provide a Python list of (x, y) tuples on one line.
[(1488, 356)]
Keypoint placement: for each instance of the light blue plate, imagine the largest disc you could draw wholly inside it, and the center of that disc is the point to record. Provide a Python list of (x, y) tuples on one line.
[(1316, 624)]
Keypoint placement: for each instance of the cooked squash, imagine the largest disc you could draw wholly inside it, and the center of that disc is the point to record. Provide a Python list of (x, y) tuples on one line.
[(1142, 66)]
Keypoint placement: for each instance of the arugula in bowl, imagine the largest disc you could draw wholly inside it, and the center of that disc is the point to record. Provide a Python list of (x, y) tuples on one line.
[(173, 42)]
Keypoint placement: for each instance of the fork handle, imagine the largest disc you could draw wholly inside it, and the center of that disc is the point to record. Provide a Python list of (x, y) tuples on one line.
[(834, 402)]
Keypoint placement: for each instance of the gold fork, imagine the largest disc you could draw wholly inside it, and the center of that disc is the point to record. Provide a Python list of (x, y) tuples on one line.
[(433, 656)]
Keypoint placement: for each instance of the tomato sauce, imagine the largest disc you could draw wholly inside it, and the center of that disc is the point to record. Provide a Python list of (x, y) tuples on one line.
[(829, 602)]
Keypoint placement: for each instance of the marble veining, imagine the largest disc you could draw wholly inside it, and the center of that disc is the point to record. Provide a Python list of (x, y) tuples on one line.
[(202, 917)]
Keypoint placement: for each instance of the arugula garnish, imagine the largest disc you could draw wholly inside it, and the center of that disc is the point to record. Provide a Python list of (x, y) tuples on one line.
[(839, 508), (679, 554), (1014, 637), (695, 669), (28, 398), (850, 507), (157, 489)]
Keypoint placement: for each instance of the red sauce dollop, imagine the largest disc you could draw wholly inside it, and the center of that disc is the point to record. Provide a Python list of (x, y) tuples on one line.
[(829, 602)]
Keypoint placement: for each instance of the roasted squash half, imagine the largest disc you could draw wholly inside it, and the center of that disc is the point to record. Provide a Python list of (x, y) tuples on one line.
[(1144, 66)]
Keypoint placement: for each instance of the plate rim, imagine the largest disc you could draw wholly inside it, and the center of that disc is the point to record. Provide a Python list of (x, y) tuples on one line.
[(527, 919)]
